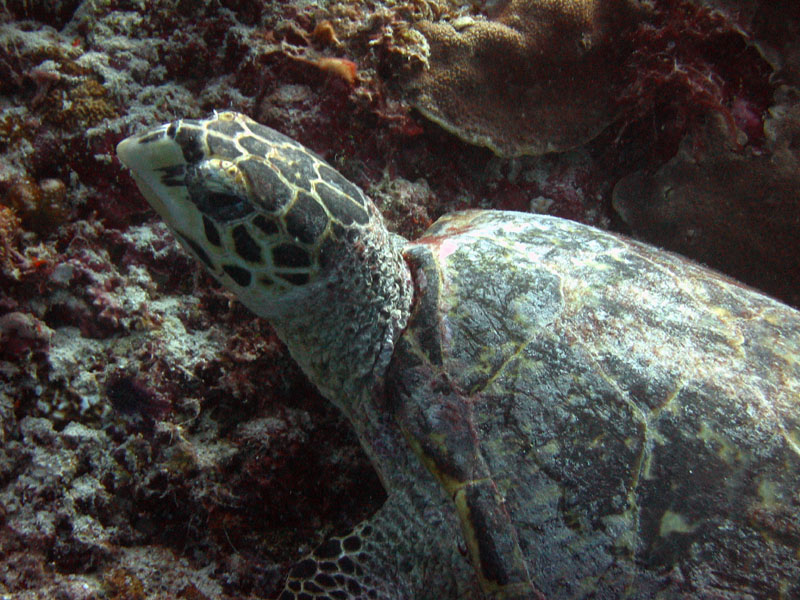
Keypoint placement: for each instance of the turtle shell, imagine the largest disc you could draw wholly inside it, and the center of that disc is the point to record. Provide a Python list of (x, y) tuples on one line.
[(609, 419)]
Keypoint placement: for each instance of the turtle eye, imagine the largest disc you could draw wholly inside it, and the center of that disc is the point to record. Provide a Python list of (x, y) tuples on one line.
[(187, 135), (217, 188)]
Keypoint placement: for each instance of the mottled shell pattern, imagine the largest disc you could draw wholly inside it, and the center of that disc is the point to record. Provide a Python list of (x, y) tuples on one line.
[(610, 419)]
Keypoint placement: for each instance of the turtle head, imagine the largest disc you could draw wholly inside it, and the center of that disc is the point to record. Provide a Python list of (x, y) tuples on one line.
[(262, 213), (293, 239)]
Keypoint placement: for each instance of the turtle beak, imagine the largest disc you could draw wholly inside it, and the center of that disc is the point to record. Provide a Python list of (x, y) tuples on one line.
[(157, 165)]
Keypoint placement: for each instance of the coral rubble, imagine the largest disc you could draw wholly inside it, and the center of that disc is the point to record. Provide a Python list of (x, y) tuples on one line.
[(155, 435)]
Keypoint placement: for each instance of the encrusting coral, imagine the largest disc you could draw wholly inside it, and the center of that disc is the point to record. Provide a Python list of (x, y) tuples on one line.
[(539, 78)]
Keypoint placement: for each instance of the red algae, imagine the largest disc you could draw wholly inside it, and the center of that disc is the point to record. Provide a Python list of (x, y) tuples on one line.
[(692, 61)]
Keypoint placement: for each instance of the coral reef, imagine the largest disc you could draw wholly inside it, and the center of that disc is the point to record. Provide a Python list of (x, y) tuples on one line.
[(539, 78), (55, 12), (774, 27), (155, 434), (41, 205), (184, 405), (156, 438)]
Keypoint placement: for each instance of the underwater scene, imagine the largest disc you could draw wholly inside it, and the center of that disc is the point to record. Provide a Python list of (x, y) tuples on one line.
[(414, 300)]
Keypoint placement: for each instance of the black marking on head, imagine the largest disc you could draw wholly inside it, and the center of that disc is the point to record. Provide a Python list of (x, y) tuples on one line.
[(295, 278), (197, 249), (289, 255), (347, 565), (245, 245), (212, 234), (227, 127), (238, 274), (268, 226), (220, 206), (152, 136), (255, 146), (223, 207), (334, 178), (343, 210), (328, 549), (325, 580), (172, 130), (338, 231), (271, 193), (188, 138), (304, 569), (330, 252), (296, 167), (354, 588), (306, 219), (352, 543), (269, 134), (337, 595), (312, 587), (222, 147), (173, 176), (328, 566)]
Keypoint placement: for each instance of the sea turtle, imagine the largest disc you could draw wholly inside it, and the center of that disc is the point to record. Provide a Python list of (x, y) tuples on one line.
[(555, 411)]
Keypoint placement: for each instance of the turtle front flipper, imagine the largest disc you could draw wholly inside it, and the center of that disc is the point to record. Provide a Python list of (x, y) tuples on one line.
[(437, 420), (448, 447), (400, 553), (341, 567)]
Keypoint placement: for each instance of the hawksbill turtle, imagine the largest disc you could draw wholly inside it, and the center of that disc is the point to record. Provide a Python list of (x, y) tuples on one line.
[(555, 411)]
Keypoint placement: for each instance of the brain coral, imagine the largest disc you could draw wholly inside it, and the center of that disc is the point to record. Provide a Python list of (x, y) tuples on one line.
[(539, 78)]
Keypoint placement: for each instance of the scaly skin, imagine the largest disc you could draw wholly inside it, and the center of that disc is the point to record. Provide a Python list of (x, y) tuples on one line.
[(276, 225)]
